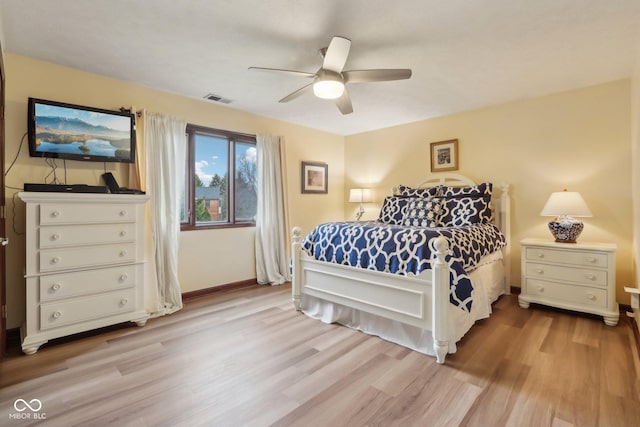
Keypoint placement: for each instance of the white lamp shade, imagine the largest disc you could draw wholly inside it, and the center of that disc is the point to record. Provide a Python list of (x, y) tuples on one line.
[(360, 195), (566, 203)]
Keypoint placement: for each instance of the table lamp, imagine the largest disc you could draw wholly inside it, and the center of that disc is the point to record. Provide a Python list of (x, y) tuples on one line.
[(360, 195), (565, 206)]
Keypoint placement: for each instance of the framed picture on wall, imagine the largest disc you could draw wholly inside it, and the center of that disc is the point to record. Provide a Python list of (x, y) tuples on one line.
[(444, 156), (314, 178)]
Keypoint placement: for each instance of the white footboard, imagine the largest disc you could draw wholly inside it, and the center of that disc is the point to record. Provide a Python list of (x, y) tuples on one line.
[(420, 301)]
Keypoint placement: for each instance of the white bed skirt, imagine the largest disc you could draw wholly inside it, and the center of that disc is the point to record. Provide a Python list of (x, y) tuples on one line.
[(488, 285)]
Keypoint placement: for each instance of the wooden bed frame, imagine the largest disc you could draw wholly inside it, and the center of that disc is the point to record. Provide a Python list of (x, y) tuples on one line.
[(421, 301)]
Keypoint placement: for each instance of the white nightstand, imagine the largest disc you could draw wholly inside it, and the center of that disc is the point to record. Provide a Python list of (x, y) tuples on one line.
[(573, 276)]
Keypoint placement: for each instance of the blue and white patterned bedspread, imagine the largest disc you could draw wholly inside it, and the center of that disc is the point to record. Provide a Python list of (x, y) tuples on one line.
[(404, 250)]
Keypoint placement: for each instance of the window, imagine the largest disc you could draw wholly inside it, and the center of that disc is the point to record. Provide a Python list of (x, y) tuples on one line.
[(213, 199)]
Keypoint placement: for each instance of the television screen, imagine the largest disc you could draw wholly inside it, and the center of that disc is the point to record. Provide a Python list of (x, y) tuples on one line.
[(75, 132)]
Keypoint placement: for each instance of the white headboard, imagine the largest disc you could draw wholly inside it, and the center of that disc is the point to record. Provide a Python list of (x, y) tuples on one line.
[(450, 179)]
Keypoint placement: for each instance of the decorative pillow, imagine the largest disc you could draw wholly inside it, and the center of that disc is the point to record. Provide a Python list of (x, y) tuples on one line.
[(423, 212), (405, 191), (481, 190), (393, 210), (462, 211)]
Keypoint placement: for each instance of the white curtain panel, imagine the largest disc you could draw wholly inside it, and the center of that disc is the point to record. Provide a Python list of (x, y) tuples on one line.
[(165, 166), (272, 266), (138, 179)]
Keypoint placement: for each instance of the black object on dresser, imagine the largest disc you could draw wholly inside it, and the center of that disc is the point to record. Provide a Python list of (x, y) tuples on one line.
[(65, 188)]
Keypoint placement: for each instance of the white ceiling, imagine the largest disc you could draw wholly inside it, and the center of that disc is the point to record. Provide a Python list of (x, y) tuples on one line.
[(464, 54)]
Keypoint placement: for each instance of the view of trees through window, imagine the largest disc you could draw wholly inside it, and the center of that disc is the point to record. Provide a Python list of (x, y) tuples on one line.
[(217, 200)]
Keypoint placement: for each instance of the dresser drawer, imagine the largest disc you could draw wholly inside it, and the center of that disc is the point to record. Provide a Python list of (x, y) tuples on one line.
[(579, 258), (582, 295), (81, 309), (588, 277), (88, 256), (83, 213), (66, 285), (78, 235)]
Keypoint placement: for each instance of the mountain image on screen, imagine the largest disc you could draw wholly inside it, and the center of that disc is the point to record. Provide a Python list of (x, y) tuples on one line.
[(77, 136)]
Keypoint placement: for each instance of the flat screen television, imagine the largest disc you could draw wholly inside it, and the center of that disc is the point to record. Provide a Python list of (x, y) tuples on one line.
[(76, 132)]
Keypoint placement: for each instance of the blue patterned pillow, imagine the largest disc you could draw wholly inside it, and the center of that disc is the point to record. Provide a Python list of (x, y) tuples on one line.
[(463, 211), (481, 190), (405, 191), (423, 212), (393, 210)]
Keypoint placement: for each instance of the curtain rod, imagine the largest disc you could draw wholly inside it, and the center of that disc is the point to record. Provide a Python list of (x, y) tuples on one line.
[(128, 110)]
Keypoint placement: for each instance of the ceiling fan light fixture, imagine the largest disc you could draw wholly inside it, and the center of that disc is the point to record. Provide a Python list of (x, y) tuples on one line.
[(328, 85), (329, 82)]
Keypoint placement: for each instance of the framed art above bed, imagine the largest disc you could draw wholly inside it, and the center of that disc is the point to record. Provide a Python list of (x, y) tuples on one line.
[(444, 156)]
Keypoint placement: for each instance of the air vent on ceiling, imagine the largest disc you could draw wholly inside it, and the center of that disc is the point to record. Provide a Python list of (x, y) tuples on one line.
[(217, 98)]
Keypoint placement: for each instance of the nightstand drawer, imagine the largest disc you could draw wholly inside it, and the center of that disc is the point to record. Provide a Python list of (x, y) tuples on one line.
[(581, 295), (580, 276), (580, 258)]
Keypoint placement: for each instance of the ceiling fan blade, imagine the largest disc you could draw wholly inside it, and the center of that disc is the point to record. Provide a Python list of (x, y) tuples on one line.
[(336, 55), (277, 70), (297, 93), (364, 76), (344, 103)]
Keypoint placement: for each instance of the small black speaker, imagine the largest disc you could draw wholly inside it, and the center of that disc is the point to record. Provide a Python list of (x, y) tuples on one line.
[(111, 182)]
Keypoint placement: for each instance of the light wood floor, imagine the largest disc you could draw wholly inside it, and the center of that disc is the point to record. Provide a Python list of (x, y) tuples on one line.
[(247, 358)]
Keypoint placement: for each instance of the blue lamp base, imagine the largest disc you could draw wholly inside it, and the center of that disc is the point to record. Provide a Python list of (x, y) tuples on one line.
[(565, 231)]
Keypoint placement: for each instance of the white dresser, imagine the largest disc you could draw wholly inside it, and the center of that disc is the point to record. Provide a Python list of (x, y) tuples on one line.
[(573, 276), (84, 263)]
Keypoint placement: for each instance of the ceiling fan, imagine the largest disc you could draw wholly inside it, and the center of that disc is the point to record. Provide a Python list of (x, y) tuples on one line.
[(329, 81)]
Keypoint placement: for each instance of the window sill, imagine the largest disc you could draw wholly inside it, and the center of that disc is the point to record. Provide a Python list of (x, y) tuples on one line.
[(189, 227)]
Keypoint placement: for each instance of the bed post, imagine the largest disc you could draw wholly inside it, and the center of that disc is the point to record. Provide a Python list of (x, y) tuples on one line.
[(440, 305), (505, 227), (296, 283)]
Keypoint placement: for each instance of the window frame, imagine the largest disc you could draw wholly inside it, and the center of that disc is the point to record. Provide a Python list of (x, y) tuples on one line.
[(233, 138)]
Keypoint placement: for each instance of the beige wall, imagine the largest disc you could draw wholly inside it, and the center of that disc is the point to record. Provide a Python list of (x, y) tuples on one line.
[(580, 140), (207, 258)]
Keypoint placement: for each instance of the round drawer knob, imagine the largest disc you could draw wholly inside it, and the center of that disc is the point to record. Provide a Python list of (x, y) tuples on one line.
[(123, 233), (56, 314), (123, 253), (540, 255), (539, 270), (591, 259), (55, 214), (123, 213), (540, 288), (591, 276), (123, 277), (124, 301), (55, 286), (592, 297), (55, 236), (55, 260)]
